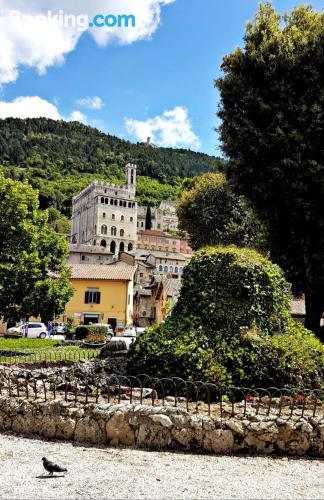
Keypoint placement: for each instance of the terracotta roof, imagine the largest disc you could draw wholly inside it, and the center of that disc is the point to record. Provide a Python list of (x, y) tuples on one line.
[(117, 271)]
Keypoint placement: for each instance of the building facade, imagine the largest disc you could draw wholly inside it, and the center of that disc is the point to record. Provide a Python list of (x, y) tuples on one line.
[(106, 215), (103, 294), (163, 218)]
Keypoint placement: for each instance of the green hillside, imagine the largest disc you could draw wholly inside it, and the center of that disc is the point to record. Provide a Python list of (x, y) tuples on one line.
[(60, 158)]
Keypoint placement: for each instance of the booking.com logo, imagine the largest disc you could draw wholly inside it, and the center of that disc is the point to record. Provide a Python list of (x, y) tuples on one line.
[(81, 21)]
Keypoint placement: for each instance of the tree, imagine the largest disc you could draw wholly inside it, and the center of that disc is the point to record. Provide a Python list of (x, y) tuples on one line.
[(213, 215), (272, 111), (148, 218), (33, 274)]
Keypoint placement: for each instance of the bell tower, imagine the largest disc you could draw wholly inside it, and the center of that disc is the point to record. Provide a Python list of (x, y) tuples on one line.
[(131, 177)]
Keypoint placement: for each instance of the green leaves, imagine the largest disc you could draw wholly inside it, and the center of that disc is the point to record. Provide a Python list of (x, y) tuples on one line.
[(213, 215), (29, 250), (272, 112)]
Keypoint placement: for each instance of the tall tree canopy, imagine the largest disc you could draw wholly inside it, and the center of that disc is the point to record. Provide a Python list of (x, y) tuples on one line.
[(213, 215), (272, 111), (34, 279)]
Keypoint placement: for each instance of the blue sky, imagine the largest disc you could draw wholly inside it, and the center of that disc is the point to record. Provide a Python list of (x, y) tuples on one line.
[(158, 84)]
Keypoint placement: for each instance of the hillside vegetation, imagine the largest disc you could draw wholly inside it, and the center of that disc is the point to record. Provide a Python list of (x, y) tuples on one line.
[(60, 158)]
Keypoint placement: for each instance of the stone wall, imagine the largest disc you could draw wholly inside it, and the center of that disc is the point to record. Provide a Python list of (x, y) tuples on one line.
[(161, 428)]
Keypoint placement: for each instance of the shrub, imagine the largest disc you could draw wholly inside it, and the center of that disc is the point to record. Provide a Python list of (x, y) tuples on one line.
[(231, 325)]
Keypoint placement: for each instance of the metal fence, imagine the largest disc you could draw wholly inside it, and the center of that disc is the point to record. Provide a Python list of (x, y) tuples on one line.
[(194, 397), (32, 356)]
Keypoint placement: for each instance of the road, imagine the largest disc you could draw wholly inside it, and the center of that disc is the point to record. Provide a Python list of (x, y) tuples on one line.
[(136, 474)]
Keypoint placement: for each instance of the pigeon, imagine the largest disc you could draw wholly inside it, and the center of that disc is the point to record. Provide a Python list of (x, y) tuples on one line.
[(51, 467)]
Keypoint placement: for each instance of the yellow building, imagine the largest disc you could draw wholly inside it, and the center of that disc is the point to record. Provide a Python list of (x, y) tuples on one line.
[(103, 294)]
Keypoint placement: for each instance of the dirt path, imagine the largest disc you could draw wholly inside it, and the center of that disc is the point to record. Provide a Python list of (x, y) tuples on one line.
[(118, 474)]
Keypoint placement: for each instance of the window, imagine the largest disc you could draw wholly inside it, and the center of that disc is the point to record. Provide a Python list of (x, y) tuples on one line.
[(161, 269), (113, 231), (113, 247), (129, 205), (142, 224), (113, 217), (176, 269), (125, 204), (131, 219), (122, 218), (141, 275), (116, 202), (102, 200), (106, 201), (180, 270), (122, 233), (159, 226), (120, 203), (92, 296), (104, 229), (111, 202), (166, 269), (130, 247), (104, 215), (171, 269), (122, 247), (103, 243)]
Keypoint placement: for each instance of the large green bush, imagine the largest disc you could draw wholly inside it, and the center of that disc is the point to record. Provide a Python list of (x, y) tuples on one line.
[(227, 290), (231, 325)]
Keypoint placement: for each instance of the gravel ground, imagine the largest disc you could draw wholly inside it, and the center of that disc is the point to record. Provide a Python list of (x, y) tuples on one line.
[(136, 474)]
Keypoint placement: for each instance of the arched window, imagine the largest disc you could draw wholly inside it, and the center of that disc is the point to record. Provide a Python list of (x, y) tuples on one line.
[(130, 247), (116, 202), (103, 243), (102, 200), (122, 247), (176, 269), (120, 203), (106, 201), (122, 233), (171, 269), (125, 204), (113, 231), (180, 270), (161, 269), (113, 216), (131, 219), (104, 229), (122, 218), (166, 269), (111, 201), (112, 247), (104, 215), (129, 205)]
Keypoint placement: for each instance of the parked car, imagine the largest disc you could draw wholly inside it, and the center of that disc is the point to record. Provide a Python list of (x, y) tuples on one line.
[(35, 330), (58, 327), (128, 332)]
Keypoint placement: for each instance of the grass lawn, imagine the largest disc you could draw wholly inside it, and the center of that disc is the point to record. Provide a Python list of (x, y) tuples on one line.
[(35, 350)]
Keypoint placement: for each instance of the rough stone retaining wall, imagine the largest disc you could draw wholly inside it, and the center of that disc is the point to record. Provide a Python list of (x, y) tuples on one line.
[(161, 428)]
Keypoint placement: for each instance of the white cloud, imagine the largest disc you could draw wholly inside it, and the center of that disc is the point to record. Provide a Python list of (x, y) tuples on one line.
[(29, 107), (43, 43), (171, 129), (91, 102), (77, 116)]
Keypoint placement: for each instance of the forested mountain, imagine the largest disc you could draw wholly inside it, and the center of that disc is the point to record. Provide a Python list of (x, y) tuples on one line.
[(59, 158)]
